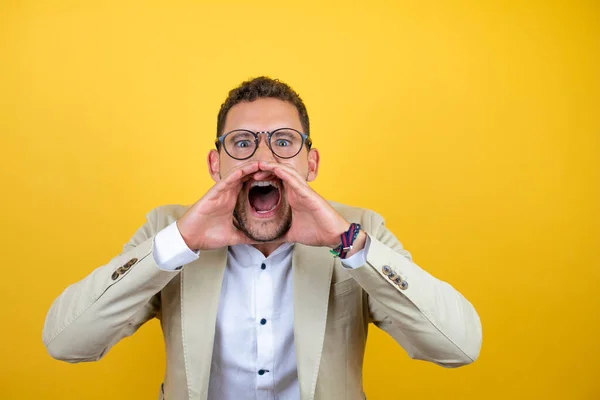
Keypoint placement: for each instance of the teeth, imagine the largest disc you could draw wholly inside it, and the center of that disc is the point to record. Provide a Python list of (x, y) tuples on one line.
[(263, 184), (268, 211)]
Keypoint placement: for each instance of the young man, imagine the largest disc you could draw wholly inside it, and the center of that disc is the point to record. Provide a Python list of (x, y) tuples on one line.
[(252, 302)]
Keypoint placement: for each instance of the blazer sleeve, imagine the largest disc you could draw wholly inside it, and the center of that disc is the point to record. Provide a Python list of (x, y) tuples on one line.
[(111, 303), (430, 319)]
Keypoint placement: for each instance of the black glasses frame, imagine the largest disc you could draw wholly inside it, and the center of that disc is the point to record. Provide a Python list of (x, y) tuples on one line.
[(220, 141)]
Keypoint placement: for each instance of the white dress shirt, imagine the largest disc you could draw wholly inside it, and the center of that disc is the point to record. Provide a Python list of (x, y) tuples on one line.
[(253, 354)]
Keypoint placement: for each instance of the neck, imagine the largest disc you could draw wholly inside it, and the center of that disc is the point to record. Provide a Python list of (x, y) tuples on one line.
[(267, 248)]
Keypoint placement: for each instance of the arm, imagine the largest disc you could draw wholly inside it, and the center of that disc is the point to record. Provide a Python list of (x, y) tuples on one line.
[(111, 303), (427, 317), (90, 316)]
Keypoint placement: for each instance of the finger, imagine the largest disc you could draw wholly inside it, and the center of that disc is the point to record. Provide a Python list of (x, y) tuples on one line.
[(298, 185), (234, 180), (269, 166), (262, 175), (245, 169), (235, 177)]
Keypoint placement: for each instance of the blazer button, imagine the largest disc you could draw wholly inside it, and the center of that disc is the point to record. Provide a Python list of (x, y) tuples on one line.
[(392, 275), (115, 275), (129, 264), (397, 280), (386, 269), (403, 285)]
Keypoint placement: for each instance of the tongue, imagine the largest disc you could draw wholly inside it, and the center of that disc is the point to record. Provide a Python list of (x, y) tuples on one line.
[(263, 198)]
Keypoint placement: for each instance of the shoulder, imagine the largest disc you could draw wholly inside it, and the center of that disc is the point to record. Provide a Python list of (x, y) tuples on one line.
[(164, 215), (368, 219)]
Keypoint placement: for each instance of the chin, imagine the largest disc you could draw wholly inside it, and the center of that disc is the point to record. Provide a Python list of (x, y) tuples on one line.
[(264, 231)]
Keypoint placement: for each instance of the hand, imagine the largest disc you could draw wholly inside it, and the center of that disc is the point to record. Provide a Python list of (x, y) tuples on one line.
[(208, 224), (314, 221)]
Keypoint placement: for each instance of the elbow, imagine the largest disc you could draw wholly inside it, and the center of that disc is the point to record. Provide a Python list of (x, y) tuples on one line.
[(52, 343), (461, 359), (62, 350), (448, 354), (63, 343), (58, 353), (468, 352), (473, 350), (461, 350), (468, 343), (474, 339), (457, 358), (55, 346), (63, 354)]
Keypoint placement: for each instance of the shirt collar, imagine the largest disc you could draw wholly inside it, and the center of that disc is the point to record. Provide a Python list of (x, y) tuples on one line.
[(248, 255)]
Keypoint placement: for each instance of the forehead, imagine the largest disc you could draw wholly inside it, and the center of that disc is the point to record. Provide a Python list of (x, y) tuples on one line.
[(263, 115)]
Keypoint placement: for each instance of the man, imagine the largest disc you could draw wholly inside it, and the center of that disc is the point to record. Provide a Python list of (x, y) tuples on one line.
[(252, 302)]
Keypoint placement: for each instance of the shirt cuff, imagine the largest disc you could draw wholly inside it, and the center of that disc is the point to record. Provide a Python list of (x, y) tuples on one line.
[(170, 251), (359, 259)]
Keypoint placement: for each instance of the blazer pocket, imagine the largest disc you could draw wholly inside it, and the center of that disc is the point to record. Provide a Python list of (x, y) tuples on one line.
[(345, 286), (344, 301)]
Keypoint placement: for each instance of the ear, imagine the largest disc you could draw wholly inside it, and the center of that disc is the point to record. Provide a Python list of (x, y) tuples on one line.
[(214, 163), (313, 164)]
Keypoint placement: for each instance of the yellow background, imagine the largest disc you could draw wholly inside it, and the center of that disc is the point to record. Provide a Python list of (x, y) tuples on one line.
[(473, 127)]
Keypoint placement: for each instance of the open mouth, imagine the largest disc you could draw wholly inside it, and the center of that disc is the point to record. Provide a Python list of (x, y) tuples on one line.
[(264, 197)]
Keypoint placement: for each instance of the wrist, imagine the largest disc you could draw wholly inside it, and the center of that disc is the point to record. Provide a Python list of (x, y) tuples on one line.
[(358, 244), (336, 239), (185, 237), (350, 241)]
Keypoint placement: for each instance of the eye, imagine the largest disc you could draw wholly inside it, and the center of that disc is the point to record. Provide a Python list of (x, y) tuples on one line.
[(242, 143), (282, 143)]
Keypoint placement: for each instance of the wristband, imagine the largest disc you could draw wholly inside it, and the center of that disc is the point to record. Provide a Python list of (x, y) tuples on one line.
[(347, 239)]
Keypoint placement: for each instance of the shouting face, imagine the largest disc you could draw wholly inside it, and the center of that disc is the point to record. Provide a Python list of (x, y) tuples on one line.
[(262, 211)]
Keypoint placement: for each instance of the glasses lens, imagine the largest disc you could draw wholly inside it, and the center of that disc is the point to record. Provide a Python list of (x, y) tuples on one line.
[(286, 143), (239, 144)]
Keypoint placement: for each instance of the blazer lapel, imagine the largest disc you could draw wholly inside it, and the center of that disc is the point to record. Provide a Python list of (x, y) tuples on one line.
[(200, 292), (312, 270)]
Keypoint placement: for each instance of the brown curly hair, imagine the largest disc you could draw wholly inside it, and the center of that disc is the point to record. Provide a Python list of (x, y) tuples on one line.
[(259, 88)]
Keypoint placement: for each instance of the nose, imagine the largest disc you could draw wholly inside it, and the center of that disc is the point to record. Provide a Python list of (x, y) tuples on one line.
[(263, 152)]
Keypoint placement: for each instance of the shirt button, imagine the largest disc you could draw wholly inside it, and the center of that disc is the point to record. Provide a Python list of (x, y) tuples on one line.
[(263, 321), (261, 372), (263, 266)]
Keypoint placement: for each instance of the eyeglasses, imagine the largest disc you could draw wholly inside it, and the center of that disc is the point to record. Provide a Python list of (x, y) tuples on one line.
[(241, 144)]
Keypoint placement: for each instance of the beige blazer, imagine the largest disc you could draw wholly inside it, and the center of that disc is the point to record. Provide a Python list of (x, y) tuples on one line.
[(333, 307)]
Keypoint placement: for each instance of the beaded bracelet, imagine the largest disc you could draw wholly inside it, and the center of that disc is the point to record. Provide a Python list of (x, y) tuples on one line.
[(347, 239)]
